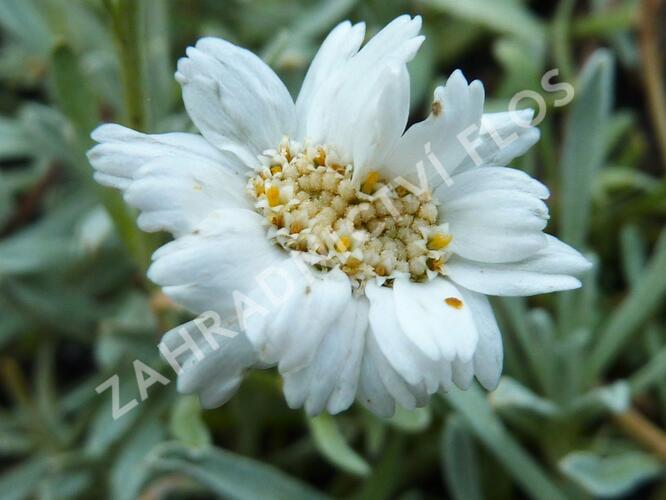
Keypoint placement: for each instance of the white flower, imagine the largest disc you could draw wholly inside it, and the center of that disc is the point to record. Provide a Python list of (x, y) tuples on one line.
[(395, 307)]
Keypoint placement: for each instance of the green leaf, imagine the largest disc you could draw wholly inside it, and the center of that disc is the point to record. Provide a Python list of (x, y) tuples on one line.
[(584, 144), (72, 91), (65, 484), (504, 16), (614, 398), (633, 253), (158, 64), (416, 420), (321, 17), (13, 442), (641, 303), (522, 63), (186, 423), (13, 140), (611, 476), (31, 253), (388, 473), (130, 469), (460, 461), (104, 430), (21, 481), (6, 201), (623, 178), (230, 475), (512, 394), (651, 373), (332, 444), (539, 355), (93, 230), (583, 153), (48, 127), (478, 415), (22, 20)]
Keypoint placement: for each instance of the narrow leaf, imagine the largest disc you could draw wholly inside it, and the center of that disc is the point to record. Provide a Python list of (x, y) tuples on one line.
[(416, 420), (332, 444), (512, 394), (230, 475), (503, 16), (186, 423), (642, 301), (73, 94), (612, 476), (584, 144), (476, 411), (460, 461)]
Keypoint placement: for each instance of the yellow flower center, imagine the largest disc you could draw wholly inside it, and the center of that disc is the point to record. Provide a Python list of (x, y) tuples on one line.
[(311, 206)]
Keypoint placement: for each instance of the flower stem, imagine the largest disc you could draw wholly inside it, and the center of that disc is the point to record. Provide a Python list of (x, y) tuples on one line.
[(561, 42), (125, 17), (125, 24), (653, 71), (606, 23), (644, 431)]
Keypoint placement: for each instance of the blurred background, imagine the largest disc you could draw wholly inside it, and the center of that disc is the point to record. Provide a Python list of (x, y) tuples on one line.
[(581, 410)]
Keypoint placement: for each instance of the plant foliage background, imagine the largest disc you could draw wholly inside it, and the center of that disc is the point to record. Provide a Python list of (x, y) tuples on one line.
[(581, 410)]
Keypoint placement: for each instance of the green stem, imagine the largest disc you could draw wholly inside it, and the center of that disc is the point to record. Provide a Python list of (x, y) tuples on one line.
[(653, 71), (606, 23), (560, 33), (78, 103), (125, 23), (125, 17)]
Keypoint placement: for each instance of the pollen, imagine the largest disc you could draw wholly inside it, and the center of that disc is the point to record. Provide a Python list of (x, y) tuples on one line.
[(273, 196), (295, 228), (344, 243), (454, 302), (439, 241), (320, 159), (259, 187), (368, 186), (312, 205)]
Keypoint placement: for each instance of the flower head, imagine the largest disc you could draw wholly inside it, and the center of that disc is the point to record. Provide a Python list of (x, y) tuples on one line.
[(355, 255)]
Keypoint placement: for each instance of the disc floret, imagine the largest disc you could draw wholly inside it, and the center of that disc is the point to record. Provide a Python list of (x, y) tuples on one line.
[(312, 206)]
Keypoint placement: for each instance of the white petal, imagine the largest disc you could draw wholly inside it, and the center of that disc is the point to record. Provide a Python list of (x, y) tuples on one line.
[(330, 381), (380, 386), (341, 44), (495, 214), (412, 355), (549, 270), (383, 121), (340, 107), (176, 197), (372, 392), (235, 100), (225, 253), (463, 373), (292, 329), (457, 108), (219, 391), (121, 150), (216, 370), (488, 356), (176, 180), (489, 178), (423, 306), (503, 137)]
